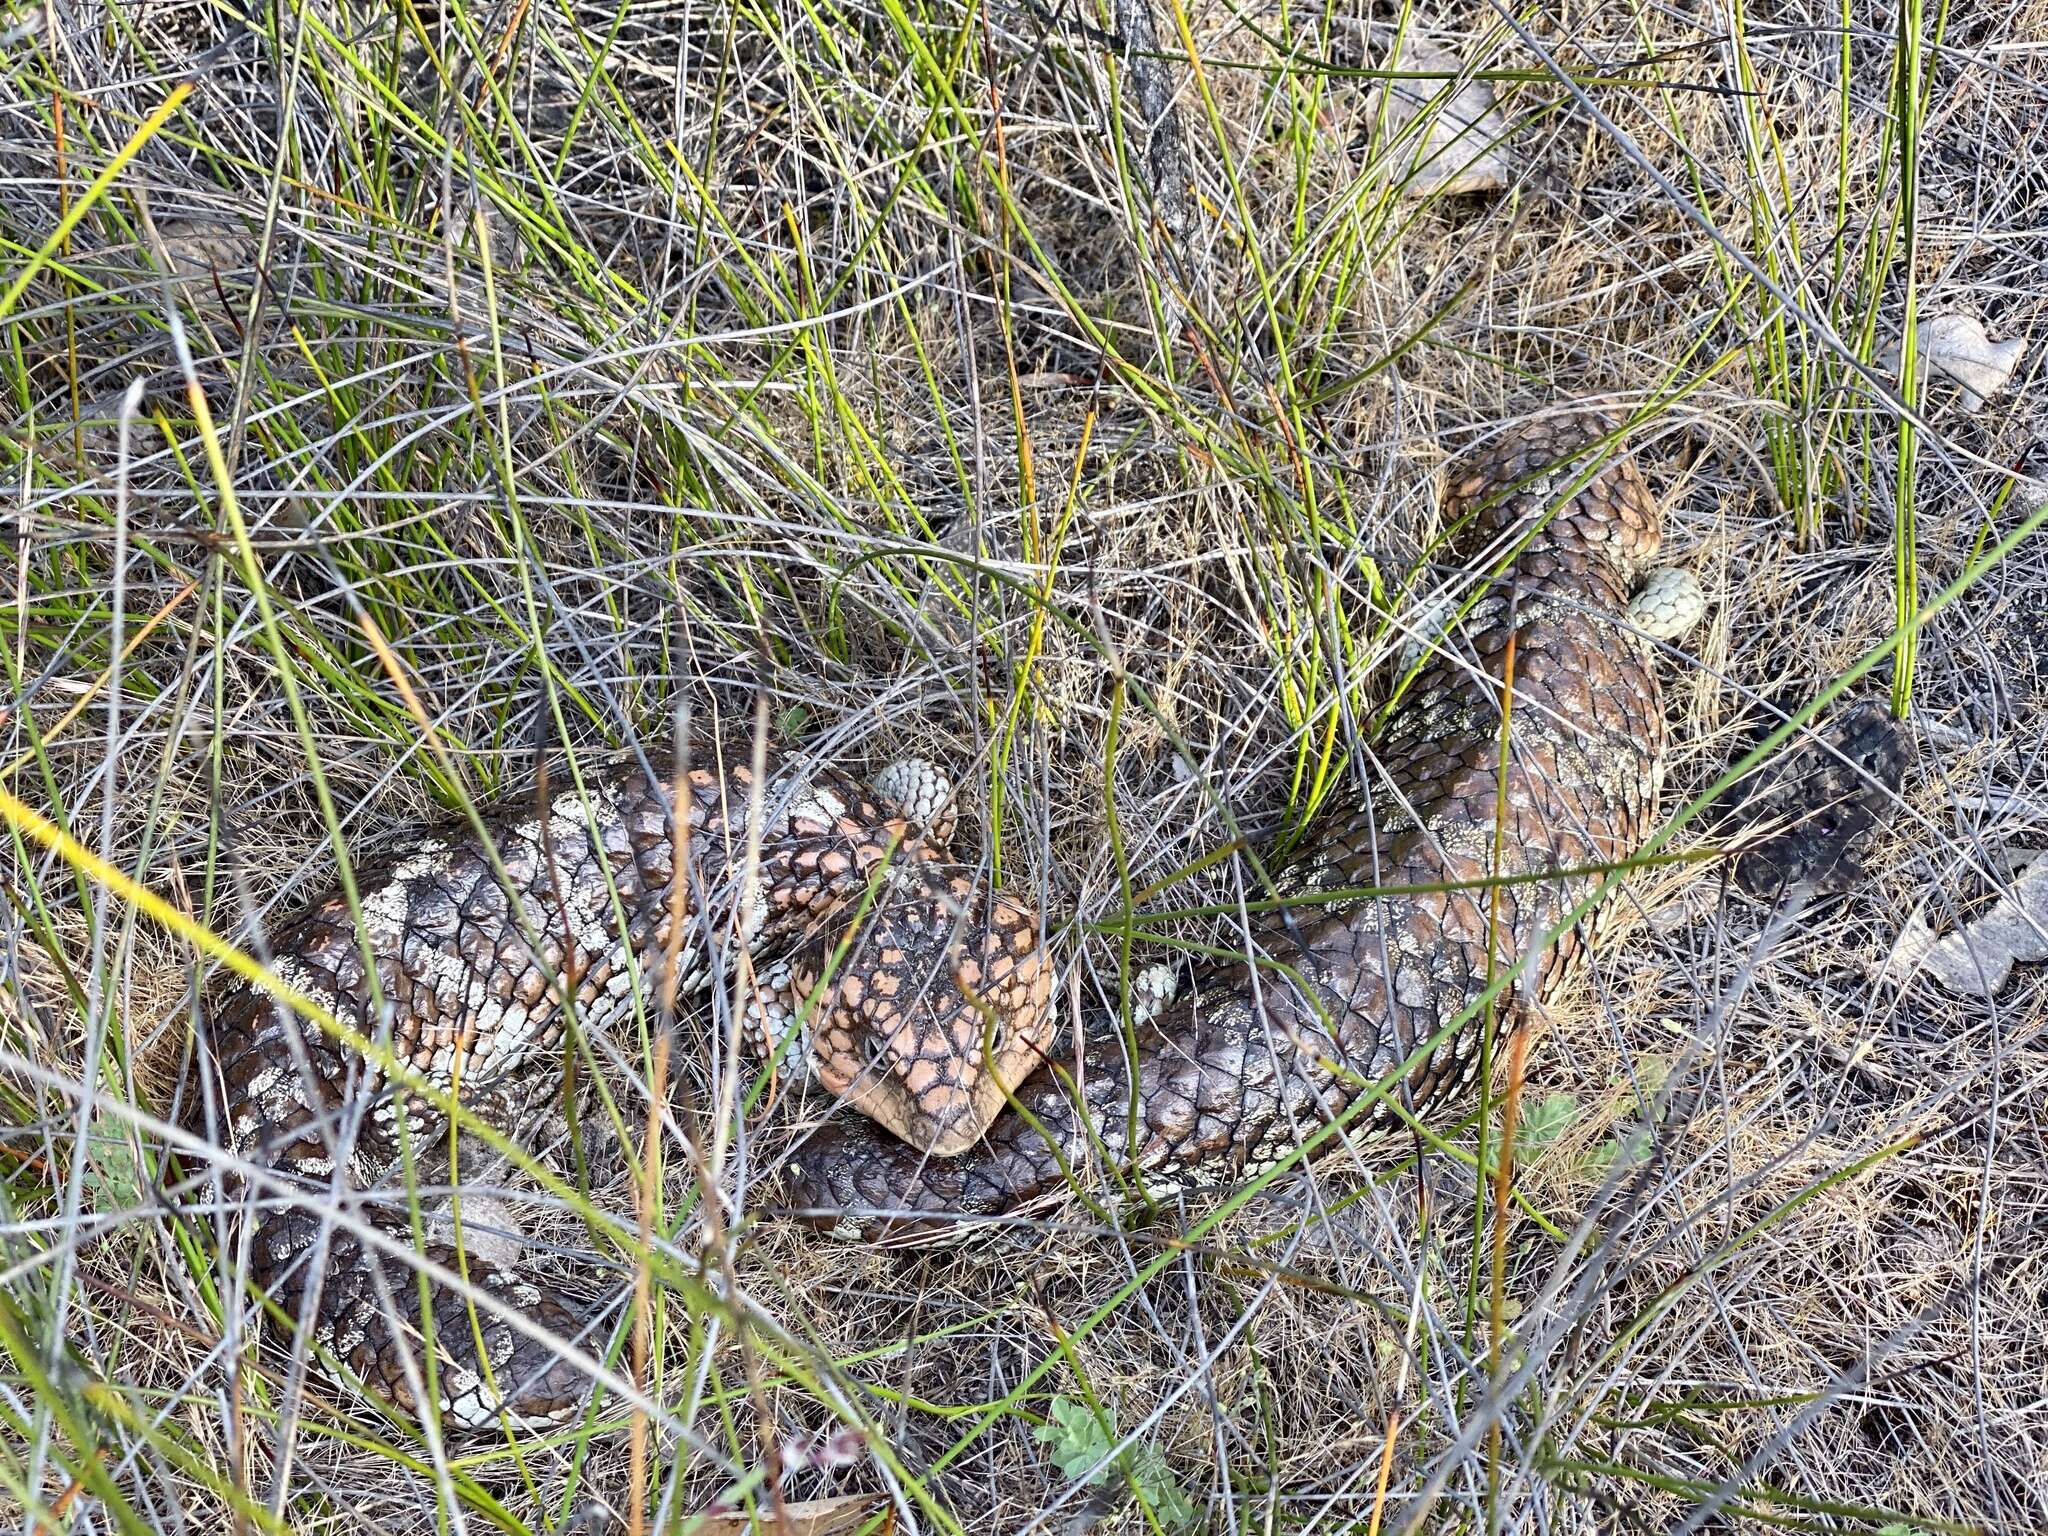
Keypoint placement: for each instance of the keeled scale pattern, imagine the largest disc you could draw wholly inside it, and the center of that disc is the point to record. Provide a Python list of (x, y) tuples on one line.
[(473, 969), (1247, 1064)]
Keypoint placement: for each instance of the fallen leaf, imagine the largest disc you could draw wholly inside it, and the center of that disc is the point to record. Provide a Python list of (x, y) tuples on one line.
[(1957, 347), (1460, 143), (1977, 959), (807, 1517)]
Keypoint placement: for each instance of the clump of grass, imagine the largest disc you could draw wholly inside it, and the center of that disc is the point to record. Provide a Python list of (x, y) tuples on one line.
[(554, 363)]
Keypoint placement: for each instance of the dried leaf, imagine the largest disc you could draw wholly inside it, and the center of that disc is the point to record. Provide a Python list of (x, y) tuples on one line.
[(1977, 959), (807, 1517), (1460, 145), (1957, 347)]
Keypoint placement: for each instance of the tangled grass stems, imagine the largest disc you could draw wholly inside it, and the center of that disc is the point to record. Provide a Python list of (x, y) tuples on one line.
[(588, 359)]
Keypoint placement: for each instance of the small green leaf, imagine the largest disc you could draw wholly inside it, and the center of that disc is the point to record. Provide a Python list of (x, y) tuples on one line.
[(1650, 1072), (789, 725), (1156, 1482), (111, 1177), (1540, 1126), (1078, 1441), (1627, 1148), (1075, 1437)]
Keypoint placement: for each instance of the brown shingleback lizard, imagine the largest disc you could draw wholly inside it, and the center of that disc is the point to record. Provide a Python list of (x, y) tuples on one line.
[(927, 999), (934, 1003), (1248, 1063)]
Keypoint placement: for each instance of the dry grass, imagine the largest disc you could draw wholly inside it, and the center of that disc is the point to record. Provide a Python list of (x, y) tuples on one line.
[(838, 349)]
